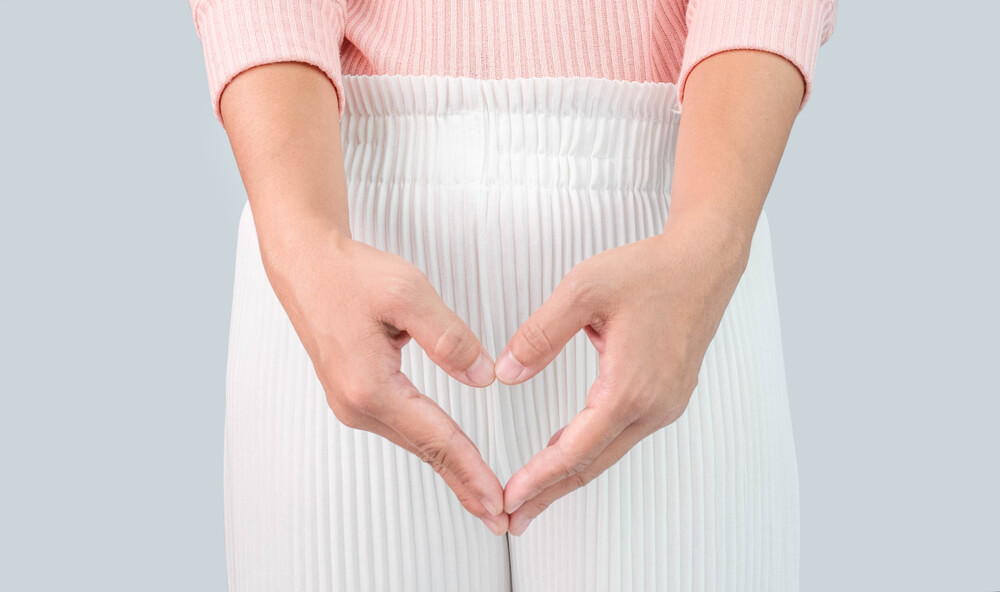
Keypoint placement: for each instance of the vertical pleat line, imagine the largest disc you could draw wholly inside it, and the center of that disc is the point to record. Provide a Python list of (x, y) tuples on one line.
[(495, 189)]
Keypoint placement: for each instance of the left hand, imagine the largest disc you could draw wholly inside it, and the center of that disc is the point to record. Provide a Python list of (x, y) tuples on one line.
[(651, 308)]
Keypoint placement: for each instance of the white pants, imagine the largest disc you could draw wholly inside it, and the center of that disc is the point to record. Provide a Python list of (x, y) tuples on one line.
[(495, 188)]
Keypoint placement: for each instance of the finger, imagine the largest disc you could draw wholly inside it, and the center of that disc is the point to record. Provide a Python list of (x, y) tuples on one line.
[(544, 334), (579, 444), (447, 339), (534, 506), (555, 436), (439, 441), (496, 523)]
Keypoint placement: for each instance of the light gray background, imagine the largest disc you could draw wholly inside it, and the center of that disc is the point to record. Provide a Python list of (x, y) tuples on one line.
[(120, 199)]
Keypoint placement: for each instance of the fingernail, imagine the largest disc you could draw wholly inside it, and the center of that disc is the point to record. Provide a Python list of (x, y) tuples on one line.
[(514, 508), (481, 372), (508, 369), (519, 530), (495, 525), (491, 506)]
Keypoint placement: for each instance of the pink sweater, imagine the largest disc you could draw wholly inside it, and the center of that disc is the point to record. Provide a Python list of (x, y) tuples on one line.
[(640, 40)]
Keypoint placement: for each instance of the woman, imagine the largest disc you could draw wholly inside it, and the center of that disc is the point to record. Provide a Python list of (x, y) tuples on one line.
[(434, 186)]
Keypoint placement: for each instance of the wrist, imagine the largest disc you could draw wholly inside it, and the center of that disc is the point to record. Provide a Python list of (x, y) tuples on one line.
[(289, 233), (722, 235), (724, 226)]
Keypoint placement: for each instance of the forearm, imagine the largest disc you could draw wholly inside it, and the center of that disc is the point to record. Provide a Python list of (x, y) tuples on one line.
[(283, 126), (738, 111)]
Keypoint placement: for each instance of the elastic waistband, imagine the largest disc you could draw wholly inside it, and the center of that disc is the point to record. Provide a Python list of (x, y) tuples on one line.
[(546, 132)]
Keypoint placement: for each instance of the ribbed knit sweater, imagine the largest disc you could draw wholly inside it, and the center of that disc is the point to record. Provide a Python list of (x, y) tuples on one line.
[(639, 40)]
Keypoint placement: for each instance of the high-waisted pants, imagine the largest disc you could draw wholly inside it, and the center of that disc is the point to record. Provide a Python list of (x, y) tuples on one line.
[(495, 189)]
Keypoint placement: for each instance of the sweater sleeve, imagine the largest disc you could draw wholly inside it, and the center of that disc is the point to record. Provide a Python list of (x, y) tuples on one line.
[(239, 34), (793, 29)]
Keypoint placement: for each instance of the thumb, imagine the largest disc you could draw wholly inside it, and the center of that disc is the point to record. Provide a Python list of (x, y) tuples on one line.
[(447, 340), (542, 336)]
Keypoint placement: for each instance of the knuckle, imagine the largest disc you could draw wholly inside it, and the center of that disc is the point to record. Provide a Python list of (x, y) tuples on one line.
[(535, 337), (671, 414), (437, 453), (580, 479), (435, 456), (452, 341), (345, 415), (652, 422), (580, 466), (470, 503), (663, 420), (634, 410), (572, 464), (353, 420), (359, 399)]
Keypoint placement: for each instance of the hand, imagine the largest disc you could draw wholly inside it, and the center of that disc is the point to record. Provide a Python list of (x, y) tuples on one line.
[(354, 307), (650, 308)]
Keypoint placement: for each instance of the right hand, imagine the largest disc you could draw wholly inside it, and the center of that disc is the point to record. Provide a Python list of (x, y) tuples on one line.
[(354, 307)]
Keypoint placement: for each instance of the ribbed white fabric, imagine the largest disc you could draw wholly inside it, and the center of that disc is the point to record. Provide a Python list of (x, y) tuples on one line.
[(495, 188)]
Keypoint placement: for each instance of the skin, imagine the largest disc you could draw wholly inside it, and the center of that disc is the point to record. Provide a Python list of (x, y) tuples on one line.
[(650, 308), (353, 306)]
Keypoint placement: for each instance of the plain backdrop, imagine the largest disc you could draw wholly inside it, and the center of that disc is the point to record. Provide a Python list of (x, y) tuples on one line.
[(120, 200)]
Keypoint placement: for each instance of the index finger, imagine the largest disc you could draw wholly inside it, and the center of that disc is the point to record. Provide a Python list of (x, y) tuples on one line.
[(442, 443), (581, 442)]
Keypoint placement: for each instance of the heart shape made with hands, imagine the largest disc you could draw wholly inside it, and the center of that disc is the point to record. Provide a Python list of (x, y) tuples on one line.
[(651, 336)]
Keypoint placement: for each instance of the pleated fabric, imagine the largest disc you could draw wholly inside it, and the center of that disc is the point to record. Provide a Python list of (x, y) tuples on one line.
[(495, 189)]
